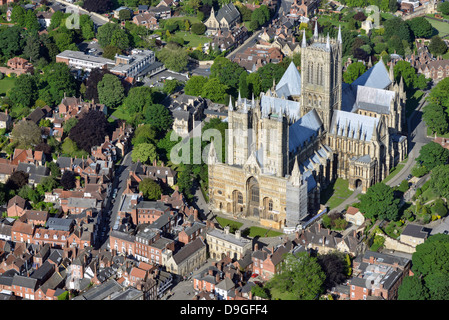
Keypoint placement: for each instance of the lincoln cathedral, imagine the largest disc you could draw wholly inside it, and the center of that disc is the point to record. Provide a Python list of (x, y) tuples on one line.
[(306, 131)]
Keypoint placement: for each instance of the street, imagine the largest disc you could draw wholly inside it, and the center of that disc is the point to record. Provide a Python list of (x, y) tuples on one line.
[(119, 183)]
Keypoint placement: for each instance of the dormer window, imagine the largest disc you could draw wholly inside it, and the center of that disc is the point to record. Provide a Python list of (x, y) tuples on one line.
[(46, 236)]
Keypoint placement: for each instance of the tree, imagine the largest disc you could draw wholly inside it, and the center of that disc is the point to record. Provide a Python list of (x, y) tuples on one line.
[(137, 99), (56, 20), (393, 5), (11, 41), (44, 147), (215, 90), (150, 189), (405, 70), (170, 86), (31, 22), (412, 288), (110, 91), (32, 49), (194, 86), (439, 182), (27, 134), (69, 124), (90, 130), (432, 256), (68, 180), (226, 71), (120, 39), (95, 76), (198, 28), (124, 14), (334, 266), (48, 184), (144, 134), (144, 152), (268, 73), (254, 83), (110, 51), (18, 15), (56, 81), (437, 46), (24, 92), (158, 116), (420, 27), (174, 57), (87, 27), (438, 285), (301, 276), (432, 155), (17, 180), (243, 85), (353, 71), (379, 203), (105, 33), (443, 7)]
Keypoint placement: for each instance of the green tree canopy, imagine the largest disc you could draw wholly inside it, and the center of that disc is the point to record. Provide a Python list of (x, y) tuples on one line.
[(159, 117), (301, 276), (432, 155), (144, 152), (353, 71), (412, 288), (110, 91), (194, 86), (439, 181), (432, 256), (151, 189), (421, 27), (27, 134), (437, 46), (215, 90), (174, 57), (379, 203)]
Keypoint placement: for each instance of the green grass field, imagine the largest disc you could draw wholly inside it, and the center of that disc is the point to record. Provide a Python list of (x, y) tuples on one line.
[(440, 26), (192, 40), (233, 225), (335, 193), (262, 232), (5, 84)]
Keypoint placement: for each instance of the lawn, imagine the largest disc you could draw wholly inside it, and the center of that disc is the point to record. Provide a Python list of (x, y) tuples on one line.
[(394, 172), (276, 294), (262, 232), (335, 193), (5, 84), (120, 114), (192, 40), (192, 20), (233, 225), (440, 26)]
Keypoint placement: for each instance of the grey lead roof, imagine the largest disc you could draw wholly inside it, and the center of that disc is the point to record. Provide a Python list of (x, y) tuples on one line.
[(303, 129), (290, 83), (358, 125), (374, 99), (229, 12), (376, 77)]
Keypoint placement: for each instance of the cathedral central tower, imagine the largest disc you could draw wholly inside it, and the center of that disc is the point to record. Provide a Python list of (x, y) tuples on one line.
[(321, 76)]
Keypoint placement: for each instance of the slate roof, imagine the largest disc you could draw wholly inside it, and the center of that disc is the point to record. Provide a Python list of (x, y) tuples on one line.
[(229, 12), (375, 77), (416, 231), (303, 129), (290, 83), (188, 250)]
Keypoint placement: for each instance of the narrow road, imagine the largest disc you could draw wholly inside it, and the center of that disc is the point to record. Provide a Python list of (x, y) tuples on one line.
[(119, 183), (417, 134)]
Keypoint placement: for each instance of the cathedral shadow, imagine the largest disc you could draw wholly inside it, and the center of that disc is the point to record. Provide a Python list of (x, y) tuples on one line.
[(327, 193)]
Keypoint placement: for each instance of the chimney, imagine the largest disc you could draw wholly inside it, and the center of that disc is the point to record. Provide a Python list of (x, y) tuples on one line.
[(195, 215), (256, 247), (211, 272), (217, 277)]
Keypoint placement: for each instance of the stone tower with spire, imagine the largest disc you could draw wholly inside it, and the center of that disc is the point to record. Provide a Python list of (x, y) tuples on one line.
[(321, 75)]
